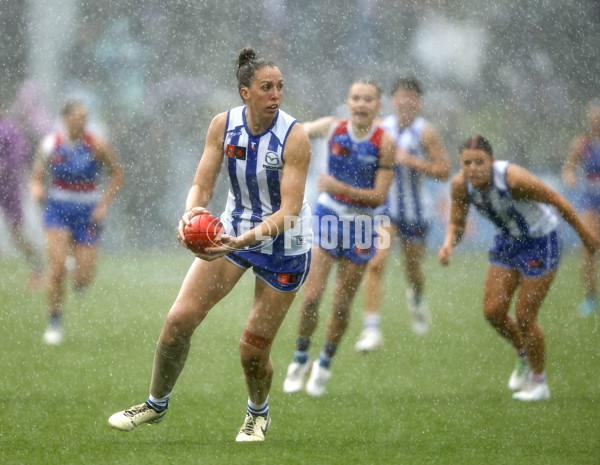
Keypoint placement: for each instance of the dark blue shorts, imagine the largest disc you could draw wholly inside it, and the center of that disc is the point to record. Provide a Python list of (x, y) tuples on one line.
[(532, 257), (74, 217), (353, 238), (284, 274)]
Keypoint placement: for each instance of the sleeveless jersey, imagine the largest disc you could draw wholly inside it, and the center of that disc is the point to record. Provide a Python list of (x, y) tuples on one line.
[(73, 168), (590, 162), (352, 161), (408, 200), (516, 219), (255, 164)]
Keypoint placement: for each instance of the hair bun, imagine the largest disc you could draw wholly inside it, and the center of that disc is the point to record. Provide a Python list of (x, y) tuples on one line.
[(246, 55)]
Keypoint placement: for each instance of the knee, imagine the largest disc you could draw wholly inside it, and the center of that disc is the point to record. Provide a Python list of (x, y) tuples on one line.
[(494, 315), (179, 326), (255, 353)]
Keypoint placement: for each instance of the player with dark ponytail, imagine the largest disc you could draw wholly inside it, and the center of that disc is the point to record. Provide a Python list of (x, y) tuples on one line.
[(268, 224)]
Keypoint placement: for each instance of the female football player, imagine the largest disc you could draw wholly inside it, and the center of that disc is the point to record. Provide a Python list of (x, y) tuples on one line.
[(585, 152), (359, 173), (65, 176), (268, 224), (524, 257)]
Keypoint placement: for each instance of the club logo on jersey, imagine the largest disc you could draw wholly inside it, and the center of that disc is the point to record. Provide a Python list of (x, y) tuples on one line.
[(273, 162), (235, 151), (339, 150)]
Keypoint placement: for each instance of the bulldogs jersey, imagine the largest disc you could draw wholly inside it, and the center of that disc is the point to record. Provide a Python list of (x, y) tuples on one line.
[(590, 162), (255, 164), (408, 201), (354, 162), (512, 218), (73, 168)]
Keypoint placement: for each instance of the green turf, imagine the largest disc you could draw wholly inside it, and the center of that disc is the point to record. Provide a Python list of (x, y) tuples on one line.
[(438, 399)]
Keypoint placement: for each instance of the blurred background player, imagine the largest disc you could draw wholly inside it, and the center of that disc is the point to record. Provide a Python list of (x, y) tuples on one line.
[(584, 152), (65, 179), (525, 254), (13, 172), (359, 173), (420, 153), (268, 221)]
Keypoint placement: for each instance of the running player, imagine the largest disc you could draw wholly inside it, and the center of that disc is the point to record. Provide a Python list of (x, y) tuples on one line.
[(360, 170), (268, 229), (524, 257), (13, 167), (65, 178), (585, 152), (421, 154)]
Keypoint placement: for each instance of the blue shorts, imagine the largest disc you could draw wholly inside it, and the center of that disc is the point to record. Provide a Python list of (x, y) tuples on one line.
[(74, 217), (532, 257), (284, 274), (353, 238), (409, 230)]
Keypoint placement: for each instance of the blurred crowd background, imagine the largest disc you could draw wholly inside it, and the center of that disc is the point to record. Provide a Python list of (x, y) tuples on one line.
[(153, 74)]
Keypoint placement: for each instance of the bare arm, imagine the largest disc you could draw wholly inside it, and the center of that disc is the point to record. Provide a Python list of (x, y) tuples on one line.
[(369, 197), (459, 209), (525, 185), (37, 182), (572, 161), (437, 165), (107, 157), (319, 127)]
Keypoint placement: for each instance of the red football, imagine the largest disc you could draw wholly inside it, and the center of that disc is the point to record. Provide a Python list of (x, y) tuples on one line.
[(203, 231)]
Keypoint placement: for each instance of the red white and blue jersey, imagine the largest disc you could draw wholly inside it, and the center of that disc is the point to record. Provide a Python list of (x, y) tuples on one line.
[(590, 162), (408, 202), (255, 165), (352, 161), (514, 219), (73, 168)]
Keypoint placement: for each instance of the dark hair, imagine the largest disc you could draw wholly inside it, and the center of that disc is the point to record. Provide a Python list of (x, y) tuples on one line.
[(477, 142), (68, 107), (371, 82), (248, 64), (407, 83)]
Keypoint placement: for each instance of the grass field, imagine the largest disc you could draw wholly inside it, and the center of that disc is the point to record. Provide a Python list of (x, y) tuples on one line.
[(437, 399)]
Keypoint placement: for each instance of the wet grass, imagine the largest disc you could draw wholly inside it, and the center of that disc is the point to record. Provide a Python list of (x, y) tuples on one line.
[(440, 398)]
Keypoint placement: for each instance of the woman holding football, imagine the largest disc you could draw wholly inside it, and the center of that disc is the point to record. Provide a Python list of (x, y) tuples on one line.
[(268, 224), (359, 172), (65, 177), (524, 257)]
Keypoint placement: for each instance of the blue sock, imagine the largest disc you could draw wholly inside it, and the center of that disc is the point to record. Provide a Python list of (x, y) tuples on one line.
[(159, 404), (301, 352), (259, 409), (327, 355)]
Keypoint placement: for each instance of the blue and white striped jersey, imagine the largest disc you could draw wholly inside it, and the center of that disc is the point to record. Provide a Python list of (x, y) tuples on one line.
[(512, 218), (255, 165), (408, 200)]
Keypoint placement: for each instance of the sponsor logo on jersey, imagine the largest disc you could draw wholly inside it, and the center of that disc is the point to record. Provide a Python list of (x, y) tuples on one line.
[(339, 150), (272, 161), (235, 151)]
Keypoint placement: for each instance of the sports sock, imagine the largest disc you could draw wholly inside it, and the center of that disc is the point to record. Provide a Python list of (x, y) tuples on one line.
[(541, 378), (372, 321), (159, 404), (522, 355), (258, 409), (326, 355), (168, 363), (55, 320), (301, 352)]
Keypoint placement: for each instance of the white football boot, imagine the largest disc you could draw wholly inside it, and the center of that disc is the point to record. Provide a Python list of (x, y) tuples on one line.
[(419, 312), (318, 379), (533, 391), (294, 381), (519, 376), (126, 420), (369, 339), (254, 428), (53, 336)]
